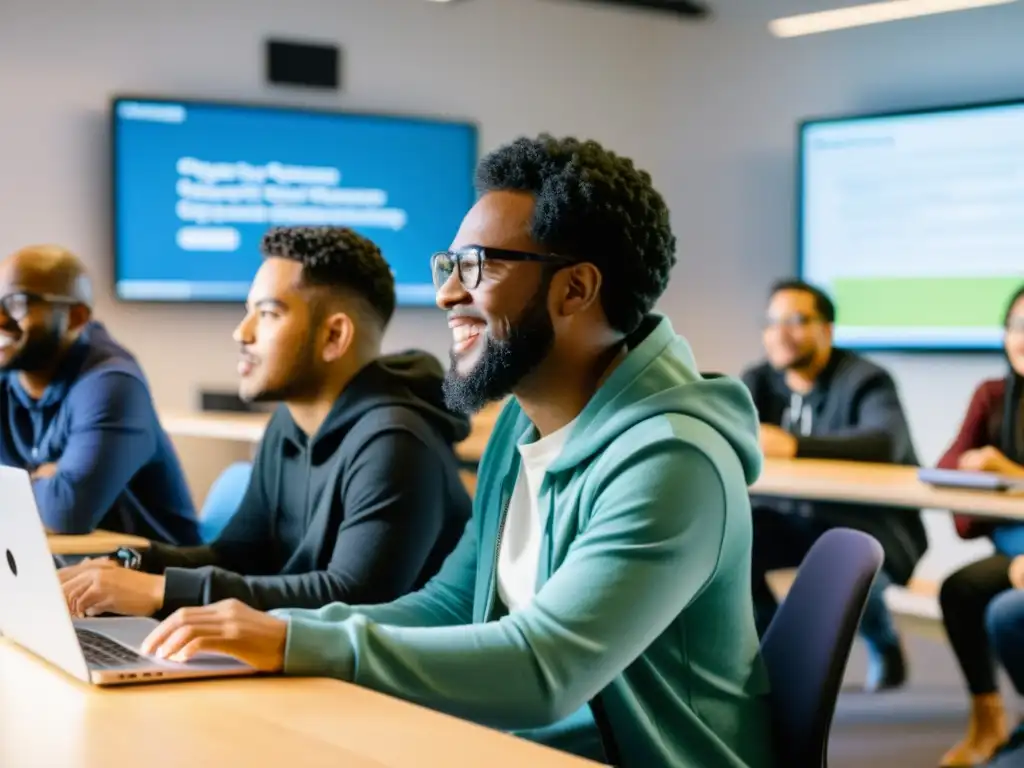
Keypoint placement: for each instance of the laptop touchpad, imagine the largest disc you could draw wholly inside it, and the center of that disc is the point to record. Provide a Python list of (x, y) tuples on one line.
[(127, 630), (131, 631)]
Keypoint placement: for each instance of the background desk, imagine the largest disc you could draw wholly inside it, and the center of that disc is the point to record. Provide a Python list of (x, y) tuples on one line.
[(50, 719), (865, 483), (95, 543)]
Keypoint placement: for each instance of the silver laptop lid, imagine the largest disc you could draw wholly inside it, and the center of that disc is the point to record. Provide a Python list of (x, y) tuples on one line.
[(33, 612)]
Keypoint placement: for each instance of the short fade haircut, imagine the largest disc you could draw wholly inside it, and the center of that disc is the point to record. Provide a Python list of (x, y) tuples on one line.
[(594, 206), (337, 258), (823, 305)]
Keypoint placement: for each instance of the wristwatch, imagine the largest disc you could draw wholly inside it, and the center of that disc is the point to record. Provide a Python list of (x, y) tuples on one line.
[(127, 557)]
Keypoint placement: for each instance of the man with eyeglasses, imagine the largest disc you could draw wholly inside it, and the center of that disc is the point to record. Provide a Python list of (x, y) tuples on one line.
[(822, 402), (599, 600), (76, 411)]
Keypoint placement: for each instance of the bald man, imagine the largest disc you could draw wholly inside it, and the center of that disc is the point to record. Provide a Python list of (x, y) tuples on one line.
[(76, 412)]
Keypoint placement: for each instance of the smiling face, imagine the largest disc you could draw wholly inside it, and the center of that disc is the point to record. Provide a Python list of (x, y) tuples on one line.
[(35, 325), (795, 333), (501, 328)]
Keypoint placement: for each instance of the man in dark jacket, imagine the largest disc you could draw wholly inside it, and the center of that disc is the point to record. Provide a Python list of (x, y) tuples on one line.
[(355, 493), (76, 412), (816, 401)]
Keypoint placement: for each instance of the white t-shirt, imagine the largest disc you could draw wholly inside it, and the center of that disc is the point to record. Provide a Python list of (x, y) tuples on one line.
[(520, 538)]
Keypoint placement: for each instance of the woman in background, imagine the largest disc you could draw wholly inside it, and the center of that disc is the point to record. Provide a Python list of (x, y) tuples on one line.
[(991, 439)]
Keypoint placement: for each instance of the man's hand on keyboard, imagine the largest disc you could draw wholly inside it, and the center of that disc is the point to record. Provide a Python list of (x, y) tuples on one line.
[(229, 627), (103, 586)]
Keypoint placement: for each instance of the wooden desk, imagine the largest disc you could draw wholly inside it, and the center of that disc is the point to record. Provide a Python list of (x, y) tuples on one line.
[(249, 428), (864, 483), (95, 543), (50, 719)]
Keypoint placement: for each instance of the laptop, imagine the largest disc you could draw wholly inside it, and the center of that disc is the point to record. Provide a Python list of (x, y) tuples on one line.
[(34, 614), (958, 478)]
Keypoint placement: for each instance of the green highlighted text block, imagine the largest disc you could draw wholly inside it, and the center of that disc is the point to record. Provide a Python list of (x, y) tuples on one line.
[(915, 302)]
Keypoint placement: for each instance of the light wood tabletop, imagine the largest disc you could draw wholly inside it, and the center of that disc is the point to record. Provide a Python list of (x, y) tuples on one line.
[(865, 483), (95, 543), (249, 428), (50, 719)]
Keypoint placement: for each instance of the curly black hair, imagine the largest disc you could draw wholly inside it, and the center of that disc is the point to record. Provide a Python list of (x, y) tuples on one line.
[(336, 258), (595, 206)]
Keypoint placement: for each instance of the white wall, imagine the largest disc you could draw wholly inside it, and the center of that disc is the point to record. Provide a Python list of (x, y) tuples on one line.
[(710, 109), (494, 61), (489, 60)]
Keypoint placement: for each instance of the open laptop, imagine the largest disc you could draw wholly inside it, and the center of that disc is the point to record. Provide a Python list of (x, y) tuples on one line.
[(34, 614), (959, 478)]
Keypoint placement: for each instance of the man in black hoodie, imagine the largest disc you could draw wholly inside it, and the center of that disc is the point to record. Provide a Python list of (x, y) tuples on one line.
[(355, 494), (817, 401)]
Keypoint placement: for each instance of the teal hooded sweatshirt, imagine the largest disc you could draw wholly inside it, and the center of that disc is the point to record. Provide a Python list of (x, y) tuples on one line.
[(643, 599)]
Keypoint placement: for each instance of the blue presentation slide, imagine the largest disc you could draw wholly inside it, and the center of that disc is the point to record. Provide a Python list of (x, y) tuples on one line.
[(197, 185)]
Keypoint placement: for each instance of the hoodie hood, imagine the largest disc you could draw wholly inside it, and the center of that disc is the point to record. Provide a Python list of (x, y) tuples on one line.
[(411, 379), (659, 376)]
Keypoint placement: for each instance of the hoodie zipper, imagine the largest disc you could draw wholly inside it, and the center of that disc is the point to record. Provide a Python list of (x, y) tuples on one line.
[(497, 554), (309, 481)]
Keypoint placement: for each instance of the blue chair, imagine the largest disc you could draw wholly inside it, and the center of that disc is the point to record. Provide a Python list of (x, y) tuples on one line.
[(807, 645), (223, 499)]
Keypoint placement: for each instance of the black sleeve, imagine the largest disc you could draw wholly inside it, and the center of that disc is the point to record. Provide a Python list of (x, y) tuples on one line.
[(880, 435), (394, 498), (244, 545)]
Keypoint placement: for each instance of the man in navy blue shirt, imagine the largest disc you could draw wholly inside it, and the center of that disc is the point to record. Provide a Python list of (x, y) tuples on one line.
[(76, 412)]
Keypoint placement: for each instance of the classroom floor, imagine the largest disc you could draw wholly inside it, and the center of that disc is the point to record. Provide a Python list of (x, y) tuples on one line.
[(909, 728)]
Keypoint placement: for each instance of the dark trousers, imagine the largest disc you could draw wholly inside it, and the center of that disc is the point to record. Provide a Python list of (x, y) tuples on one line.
[(782, 540), (965, 597), (1005, 621)]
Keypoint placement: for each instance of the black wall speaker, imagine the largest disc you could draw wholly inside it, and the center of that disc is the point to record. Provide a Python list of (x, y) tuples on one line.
[(312, 65), (691, 9)]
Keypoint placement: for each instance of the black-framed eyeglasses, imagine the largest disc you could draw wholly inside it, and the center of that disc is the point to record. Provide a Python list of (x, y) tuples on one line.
[(791, 322), (468, 263), (16, 305)]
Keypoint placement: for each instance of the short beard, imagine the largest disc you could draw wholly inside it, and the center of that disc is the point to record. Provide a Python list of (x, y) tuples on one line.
[(798, 364), (39, 353), (302, 381), (504, 363)]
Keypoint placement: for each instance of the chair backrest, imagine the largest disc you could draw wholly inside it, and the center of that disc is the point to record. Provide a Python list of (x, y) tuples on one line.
[(223, 499), (807, 645)]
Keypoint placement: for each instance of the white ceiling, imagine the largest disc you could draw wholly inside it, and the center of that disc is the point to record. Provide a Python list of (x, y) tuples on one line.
[(769, 9)]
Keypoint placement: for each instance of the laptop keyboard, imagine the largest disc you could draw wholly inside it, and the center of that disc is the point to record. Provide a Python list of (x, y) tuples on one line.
[(102, 652)]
